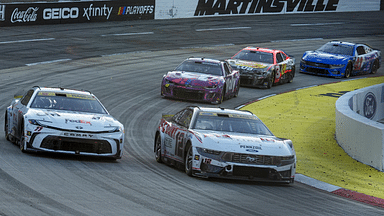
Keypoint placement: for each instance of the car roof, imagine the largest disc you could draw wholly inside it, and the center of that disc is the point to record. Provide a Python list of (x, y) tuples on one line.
[(205, 60), (267, 50), (62, 90), (343, 42), (223, 110)]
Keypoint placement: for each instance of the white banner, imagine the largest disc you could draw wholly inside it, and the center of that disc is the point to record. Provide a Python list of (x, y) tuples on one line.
[(168, 9)]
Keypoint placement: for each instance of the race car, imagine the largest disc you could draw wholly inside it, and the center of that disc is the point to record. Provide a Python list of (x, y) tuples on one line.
[(224, 143), (341, 59), (63, 120), (201, 79), (262, 67)]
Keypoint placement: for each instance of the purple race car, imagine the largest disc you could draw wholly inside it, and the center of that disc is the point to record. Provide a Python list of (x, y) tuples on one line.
[(201, 79)]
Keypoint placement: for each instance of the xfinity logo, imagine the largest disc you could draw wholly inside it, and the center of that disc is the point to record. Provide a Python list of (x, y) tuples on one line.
[(97, 11), (60, 13)]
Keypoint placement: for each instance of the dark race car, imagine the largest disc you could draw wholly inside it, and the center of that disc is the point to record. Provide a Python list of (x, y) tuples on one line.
[(201, 79), (341, 59), (262, 67)]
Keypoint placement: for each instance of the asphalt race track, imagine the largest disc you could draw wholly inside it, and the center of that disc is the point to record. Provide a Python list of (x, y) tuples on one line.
[(123, 63)]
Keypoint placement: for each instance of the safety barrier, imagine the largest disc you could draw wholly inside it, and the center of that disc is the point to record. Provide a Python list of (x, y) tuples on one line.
[(358, 128), (60, 12)]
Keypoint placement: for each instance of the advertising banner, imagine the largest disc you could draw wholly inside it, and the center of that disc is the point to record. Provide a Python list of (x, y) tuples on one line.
[(75, 12), (167, 9)]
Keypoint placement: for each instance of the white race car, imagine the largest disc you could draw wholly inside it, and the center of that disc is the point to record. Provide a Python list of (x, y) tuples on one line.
[(224, 143), (63, 121)]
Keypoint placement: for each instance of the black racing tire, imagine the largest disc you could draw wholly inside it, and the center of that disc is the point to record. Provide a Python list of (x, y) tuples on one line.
[(188, 159), (221, 99), (348, 71), (291, 74), (6, 127), (271, 80), (22, 139), (237, 89), (375, 67), (158, 156)]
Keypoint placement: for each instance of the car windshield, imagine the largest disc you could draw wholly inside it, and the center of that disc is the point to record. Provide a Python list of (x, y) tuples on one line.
[(70, 102), (231, 123), (340, 49), (200, 67), (257, 56)]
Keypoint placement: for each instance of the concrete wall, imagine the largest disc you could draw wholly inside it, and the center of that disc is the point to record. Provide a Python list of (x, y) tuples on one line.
[(357, 129), (167, 9)]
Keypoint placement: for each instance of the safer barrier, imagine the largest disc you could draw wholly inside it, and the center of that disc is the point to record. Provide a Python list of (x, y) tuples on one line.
[(358, 130)]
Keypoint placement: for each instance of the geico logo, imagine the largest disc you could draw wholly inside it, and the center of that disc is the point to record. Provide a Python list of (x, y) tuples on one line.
[(61, 13)]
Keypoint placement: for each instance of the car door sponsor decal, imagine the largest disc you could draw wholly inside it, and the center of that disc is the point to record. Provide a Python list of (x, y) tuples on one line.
[(179, 143), (358, 63)]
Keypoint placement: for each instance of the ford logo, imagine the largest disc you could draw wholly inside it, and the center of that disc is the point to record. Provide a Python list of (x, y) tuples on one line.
[(251, 150)]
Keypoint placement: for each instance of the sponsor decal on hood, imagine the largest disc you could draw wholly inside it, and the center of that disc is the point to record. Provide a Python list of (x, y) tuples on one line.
[(193, 79), (73, 120), (322, 57)]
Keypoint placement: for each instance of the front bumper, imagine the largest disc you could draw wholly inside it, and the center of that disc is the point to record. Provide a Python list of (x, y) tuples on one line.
[(211, 95), (40, 139), (253, 81), (239, 169), (322, 70)]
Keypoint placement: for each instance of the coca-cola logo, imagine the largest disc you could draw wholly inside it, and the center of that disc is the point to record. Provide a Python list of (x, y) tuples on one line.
[(29, 15)]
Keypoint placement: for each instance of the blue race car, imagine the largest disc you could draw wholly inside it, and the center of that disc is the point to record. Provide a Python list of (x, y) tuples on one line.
[(341, 59)]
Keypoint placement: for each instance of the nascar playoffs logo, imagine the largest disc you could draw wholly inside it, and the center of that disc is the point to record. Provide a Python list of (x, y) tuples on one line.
[(211, 7)]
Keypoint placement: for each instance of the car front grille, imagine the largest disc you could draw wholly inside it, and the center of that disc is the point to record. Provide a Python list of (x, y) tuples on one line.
[(317, 70), (250, 171), (252, 159), (246, 80), (76, 145), (188, 94), (316, 64)]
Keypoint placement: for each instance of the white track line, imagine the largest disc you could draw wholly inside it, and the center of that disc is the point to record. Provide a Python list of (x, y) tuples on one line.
[(48, 62), (24, 41), (218, 29), (129, 34)]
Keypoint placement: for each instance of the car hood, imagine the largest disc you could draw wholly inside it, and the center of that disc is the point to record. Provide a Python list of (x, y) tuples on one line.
[(249, 65), (76, 121), (192, 79), (244, 143), (322, 57)]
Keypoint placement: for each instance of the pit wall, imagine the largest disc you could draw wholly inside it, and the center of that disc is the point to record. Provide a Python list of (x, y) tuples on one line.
[(358, 131), (62, 12)]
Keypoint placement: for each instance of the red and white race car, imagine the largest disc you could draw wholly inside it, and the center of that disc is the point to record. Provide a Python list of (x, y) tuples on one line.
[(262, 67)]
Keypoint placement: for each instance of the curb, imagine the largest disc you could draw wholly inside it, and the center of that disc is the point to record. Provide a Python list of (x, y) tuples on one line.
[(360, 197)]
